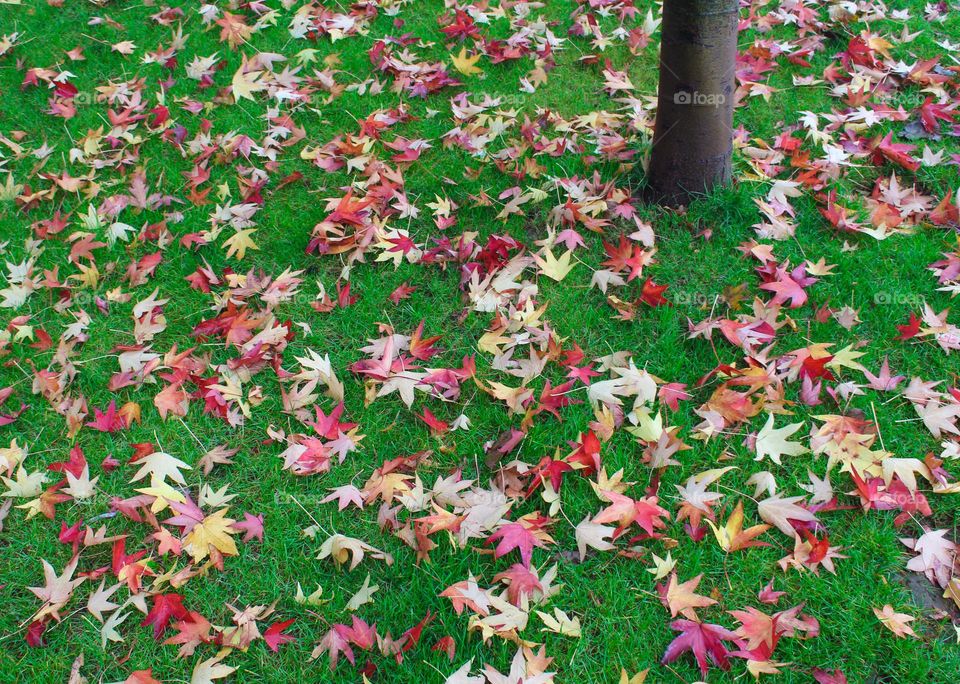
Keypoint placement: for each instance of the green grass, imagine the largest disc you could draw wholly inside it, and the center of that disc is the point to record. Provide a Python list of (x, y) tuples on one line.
[(624, 625)]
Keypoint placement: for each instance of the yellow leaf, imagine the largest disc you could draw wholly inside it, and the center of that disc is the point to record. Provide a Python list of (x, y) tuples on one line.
[(662, 566), (314, 599), (953, 592), (638, 678), (245, 84), (560, 623), (554, 268), (466, 65), (163, 494), (213, 531), (649, 425), (10, 189), (773, 442), (732, 536), (240, 242), (210, 669), (364, 595), (846, 357), (491, 340)]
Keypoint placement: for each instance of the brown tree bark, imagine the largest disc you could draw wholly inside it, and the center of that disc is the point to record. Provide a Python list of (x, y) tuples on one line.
[(693, 134)]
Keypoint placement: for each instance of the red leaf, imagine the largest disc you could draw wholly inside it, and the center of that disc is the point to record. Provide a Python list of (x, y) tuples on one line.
[(166, 607), (274, 635), (34, 635), (437, 426), (515, 536), (402, 292), (910, 329), (652, 294), (825, 677), (898, 153), (704, 640), (447, 645)]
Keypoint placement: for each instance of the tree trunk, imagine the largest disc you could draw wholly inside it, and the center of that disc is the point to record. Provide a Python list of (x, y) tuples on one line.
[(693, 134)]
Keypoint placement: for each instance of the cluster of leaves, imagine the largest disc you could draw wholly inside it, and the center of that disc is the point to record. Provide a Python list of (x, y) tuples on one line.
[(104, 239)]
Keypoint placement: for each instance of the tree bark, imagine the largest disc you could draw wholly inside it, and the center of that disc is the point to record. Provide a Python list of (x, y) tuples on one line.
[(693, 134)]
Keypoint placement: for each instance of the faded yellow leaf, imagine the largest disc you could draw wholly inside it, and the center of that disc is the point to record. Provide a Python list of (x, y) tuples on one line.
[(466, 65), (213, 531)]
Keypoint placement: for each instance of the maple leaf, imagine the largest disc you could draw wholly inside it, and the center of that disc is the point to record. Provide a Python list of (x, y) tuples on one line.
[(616, 80), (252, 527), (467, 594), (680, 598), (779, 512), (463, 676), (234, 29), (245, 83), (108, 631), (512, 536), (593, 535), (213, 531), (768, 595), (333, 643), (219, 455), (313, 599), (662, 566), (672, 393), (939, 418), (363, 596), (160, 466), (773, 442), (704, 640), (192, 631), (341, 549), (651, 294), (172, 400), (759, 667), (465, 64), (884, 382), (905, 469), (757, 629), (898, 623), (825, 677), (526, 667), (554, 268), (560, 623), (81, 487), (275, 637), (626, 511), (344, 496), (953, 592), (166, 607), (732, 536), (58, 589), (638, 678), (786, 290), (238, 243), (898, 153), (937, 556), (206, 671), (99, 602)]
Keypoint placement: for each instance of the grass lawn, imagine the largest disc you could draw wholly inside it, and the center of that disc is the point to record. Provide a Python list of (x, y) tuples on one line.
[(219, 219)]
